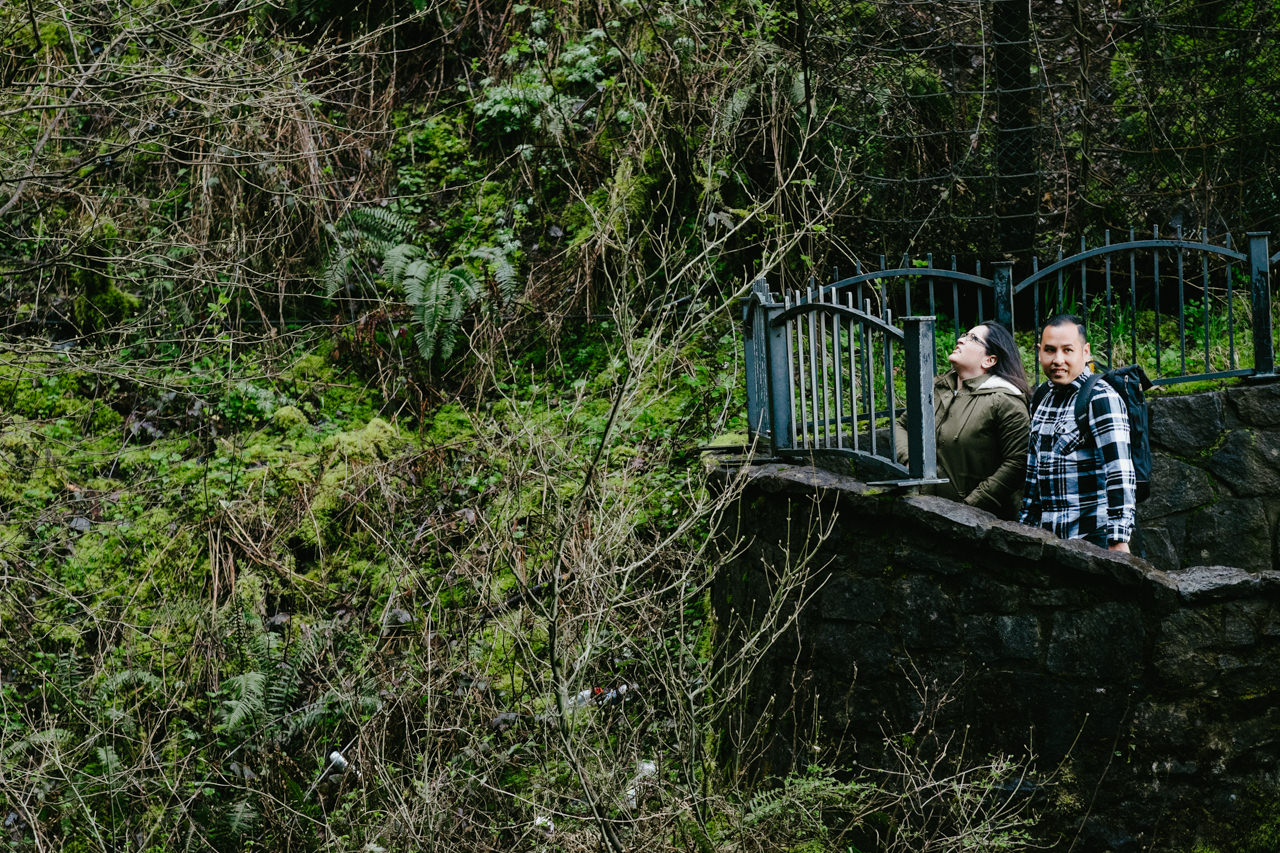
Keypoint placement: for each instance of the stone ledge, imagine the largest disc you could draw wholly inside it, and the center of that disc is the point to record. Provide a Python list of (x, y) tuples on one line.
[(1223, 583), (1019, 540), (948, 518), (788, 477), (1124, 569), (968, 525)]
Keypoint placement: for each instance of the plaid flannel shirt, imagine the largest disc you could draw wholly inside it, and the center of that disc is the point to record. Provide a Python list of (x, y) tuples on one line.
[(1081, 486)]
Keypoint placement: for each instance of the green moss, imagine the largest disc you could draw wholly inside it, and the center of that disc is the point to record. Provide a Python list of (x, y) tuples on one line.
[(357, 576), (450, 424), (309, 368), (376, 440), (290, 420), (813, 845), (104, 309), (730, 439), (64, 633), (34, 474), (98, 303), (1183, 389), (347, 455)]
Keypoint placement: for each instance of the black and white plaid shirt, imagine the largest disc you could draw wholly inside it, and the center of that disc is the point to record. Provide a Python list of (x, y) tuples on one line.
[(1081, 486)]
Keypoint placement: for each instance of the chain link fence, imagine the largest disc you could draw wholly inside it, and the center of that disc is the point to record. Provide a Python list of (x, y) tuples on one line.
[(1008, 127)]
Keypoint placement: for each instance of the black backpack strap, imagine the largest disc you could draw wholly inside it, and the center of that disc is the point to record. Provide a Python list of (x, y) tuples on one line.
[(1042, 391), (1083, 397)]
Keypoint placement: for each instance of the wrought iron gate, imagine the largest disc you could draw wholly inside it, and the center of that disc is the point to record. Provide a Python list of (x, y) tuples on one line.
[(820, 369)]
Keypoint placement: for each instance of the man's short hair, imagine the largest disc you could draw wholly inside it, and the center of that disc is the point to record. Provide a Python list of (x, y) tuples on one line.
[(1063, 320)]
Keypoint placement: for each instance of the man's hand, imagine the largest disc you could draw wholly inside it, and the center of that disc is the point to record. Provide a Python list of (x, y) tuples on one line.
[(1119, 546)]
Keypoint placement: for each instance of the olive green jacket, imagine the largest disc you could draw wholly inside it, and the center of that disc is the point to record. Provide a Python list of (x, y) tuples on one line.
[(982, 427)]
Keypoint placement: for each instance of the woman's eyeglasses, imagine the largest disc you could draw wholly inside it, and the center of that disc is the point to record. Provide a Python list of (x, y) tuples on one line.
[(973, 339)]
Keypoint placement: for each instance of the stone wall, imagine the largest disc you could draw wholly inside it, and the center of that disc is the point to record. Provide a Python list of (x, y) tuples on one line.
[(1148, 697), (1216, 480)]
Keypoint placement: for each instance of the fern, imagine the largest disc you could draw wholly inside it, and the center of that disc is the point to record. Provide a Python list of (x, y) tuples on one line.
[(361, 233), (250, 701), (800, 808), (437, 298), (335, 702), (69, 673), (287, 677), (499, 259), (113, 684), (108, 762), (54, 737), (242, 817), (401, 261)]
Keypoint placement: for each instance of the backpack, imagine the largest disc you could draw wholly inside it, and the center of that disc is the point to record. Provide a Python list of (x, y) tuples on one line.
[(1130, 383)]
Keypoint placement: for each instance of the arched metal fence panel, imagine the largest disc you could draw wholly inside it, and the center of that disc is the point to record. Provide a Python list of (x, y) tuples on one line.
[(826, 375), (1185, 309), (829, 371)]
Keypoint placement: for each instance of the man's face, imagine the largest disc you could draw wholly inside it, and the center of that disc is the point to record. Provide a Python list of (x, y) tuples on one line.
[(1063, 353)]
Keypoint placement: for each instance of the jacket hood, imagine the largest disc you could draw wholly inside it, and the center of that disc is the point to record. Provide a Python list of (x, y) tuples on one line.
[(997, 385), (987, 384)]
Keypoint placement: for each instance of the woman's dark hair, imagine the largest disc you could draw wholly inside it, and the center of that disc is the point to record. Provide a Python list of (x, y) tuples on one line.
[(1008, 364)]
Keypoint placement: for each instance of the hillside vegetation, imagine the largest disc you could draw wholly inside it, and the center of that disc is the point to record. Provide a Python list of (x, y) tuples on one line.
[(357, 362)]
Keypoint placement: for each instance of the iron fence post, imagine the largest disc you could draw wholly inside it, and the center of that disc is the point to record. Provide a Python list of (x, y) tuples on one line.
[(1002, 283), (756, 364), (779, 376), (922, 448), (1264, 360)]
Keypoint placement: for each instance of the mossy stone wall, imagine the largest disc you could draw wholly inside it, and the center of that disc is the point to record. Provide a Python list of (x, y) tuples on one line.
[(1147, 697), (1216, 480)]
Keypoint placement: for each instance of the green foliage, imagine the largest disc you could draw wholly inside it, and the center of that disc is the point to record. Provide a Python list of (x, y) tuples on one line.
[(910, 810), (362, 233), (437, 298), (244, 526), (801, 807), (1210, 105), (97, 303), (542, 100)]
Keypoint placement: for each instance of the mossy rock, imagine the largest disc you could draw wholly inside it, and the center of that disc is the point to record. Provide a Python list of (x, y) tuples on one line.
[(376, 441), (34, 472), (62, 632), (289, 420), (347, 454), (448, 425), (309, 368), (110, 307), (730, 440)]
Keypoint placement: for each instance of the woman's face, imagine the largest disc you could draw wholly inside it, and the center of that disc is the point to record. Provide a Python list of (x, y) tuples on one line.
[(970, 357)]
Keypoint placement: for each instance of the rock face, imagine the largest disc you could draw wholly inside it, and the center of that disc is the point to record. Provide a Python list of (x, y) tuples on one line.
[(1215, 485), (1153, 690)]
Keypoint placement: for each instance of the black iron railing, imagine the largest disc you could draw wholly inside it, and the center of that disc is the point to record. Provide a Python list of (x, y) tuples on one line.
[(1186, 309), (826, 375), (829, 371)]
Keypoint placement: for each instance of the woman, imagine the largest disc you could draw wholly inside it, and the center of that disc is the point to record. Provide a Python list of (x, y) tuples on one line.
[(980, 412)]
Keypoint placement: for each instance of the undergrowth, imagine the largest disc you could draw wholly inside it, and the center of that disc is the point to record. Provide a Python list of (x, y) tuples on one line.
[(312, 623)]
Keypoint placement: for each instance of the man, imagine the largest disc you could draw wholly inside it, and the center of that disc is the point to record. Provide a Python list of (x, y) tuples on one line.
[(1080, 482)]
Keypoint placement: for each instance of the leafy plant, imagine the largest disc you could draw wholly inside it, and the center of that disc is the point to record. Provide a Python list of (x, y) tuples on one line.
[(361, 233), (437, 298)]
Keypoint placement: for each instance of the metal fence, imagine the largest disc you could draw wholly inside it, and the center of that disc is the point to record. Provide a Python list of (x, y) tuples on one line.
[(828, 371), (1000, 126), (822, 367), (1186, 309)]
